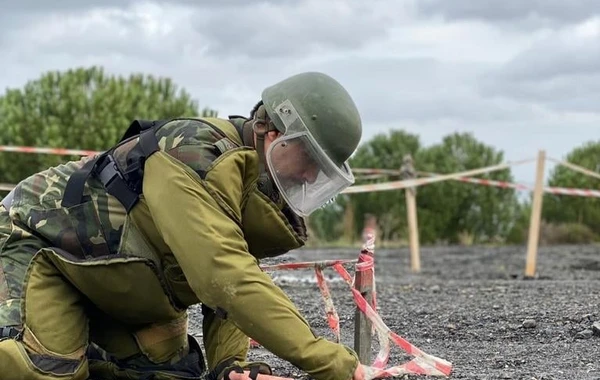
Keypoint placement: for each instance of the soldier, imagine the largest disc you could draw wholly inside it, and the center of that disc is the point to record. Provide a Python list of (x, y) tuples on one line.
[(100, 258)]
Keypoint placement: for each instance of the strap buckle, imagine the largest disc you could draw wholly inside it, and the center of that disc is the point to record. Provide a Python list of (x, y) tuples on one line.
[(8, 332), (109, 172), (7, 201)]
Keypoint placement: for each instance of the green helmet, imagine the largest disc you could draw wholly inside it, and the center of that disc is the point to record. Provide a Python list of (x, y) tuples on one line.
[(321, 128), (325, 107)]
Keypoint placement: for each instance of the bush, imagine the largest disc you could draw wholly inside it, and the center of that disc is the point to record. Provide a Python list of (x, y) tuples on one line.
[(465, 238), (566, 233)]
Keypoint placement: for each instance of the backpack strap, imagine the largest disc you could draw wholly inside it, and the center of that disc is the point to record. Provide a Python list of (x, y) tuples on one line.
[(105, 169), (137, 126), (225, 127)]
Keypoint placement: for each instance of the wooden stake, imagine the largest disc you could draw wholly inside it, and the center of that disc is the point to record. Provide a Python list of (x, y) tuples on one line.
[(536, 216), (362, 326), (413, 229), (408, 172), (364, 283)]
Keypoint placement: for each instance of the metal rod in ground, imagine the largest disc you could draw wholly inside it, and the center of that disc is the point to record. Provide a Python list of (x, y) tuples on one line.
[(364, 282)]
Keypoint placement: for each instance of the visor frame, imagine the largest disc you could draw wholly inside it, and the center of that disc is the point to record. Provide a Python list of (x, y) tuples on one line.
[(339, 177)]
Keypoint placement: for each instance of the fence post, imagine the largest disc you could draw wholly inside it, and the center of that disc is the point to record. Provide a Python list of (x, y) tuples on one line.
[(536, 215), (408, 172), (364, 283)]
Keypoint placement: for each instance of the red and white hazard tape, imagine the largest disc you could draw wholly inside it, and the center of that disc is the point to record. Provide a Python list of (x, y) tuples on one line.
[(57, 151), (519, 186), (306, 264), (375, 171), (333, 319), (421, 364), (573, 192), (395, 185)]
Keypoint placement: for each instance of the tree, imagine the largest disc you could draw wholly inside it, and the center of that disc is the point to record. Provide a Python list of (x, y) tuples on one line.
[(326, 223), (570, 209), (519, 231), (80, 109), (450, 208), (384, 151), (446, 210)]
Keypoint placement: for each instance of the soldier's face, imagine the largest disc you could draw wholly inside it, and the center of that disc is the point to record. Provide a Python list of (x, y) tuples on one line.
[(293, 162)]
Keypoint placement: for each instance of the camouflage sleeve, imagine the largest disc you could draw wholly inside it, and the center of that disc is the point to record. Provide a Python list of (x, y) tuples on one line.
[(203, 230)]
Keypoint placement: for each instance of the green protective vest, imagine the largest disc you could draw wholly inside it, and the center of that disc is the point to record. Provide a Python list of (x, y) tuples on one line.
[(100, 230), (148, 265)]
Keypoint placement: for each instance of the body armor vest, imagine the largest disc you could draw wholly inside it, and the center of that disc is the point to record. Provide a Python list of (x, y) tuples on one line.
[(90, 232), (120, 169)]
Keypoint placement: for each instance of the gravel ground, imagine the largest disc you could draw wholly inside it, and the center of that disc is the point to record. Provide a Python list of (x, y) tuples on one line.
[(471, 306)]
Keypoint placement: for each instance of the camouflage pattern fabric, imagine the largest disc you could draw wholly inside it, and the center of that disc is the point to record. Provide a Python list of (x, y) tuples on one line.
[(93, 234), (93, 228), (188, 140), (17, 247)]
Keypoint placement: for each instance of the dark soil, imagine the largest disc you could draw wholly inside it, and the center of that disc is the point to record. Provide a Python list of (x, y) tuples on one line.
[(470, 306)]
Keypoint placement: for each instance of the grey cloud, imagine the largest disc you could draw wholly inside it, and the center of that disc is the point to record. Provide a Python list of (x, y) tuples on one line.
[(422, 91), (562, 72), (9, 6), (304, 28), (226, 58), (556, 11), (44, 6), (112, 32), (227, 29), (575, 93), (554, 57)]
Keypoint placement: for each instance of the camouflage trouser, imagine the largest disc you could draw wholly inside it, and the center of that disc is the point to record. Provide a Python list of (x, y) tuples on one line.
[(57, 322), (17, 248)]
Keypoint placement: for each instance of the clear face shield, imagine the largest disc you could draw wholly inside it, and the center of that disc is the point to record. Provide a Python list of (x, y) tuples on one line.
[(305, 176)]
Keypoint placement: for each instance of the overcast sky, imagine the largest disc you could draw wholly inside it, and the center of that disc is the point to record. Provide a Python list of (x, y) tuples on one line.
[(521, 75)]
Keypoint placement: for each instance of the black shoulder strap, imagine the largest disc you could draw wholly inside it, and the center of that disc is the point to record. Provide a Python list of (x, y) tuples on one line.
[(75, 185), (239, 127), (137, 126), (106, 170)]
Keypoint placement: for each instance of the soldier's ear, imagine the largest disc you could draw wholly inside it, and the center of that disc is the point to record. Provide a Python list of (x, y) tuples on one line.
[(272, 135)]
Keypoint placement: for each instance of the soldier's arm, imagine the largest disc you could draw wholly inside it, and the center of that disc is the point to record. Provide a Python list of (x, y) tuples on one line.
[(202, 228), (222, 339)]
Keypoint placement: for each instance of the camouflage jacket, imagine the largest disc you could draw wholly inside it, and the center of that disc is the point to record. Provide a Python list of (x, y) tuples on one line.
[(37, 199), (202, 211)]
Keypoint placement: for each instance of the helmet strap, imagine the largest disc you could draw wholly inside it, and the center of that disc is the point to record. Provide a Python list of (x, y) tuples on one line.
[(260, 126)]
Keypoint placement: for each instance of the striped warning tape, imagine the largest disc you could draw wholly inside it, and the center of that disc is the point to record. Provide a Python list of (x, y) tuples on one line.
[(395, 185), (44, 150), (306, 264), (591, 193), (573, 192), (376, 171), (333, 319), (421, 364), (519, 186)]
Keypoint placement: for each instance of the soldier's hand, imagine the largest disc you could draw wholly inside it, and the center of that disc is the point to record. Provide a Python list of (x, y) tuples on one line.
[(359, 373), (246, 376)]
